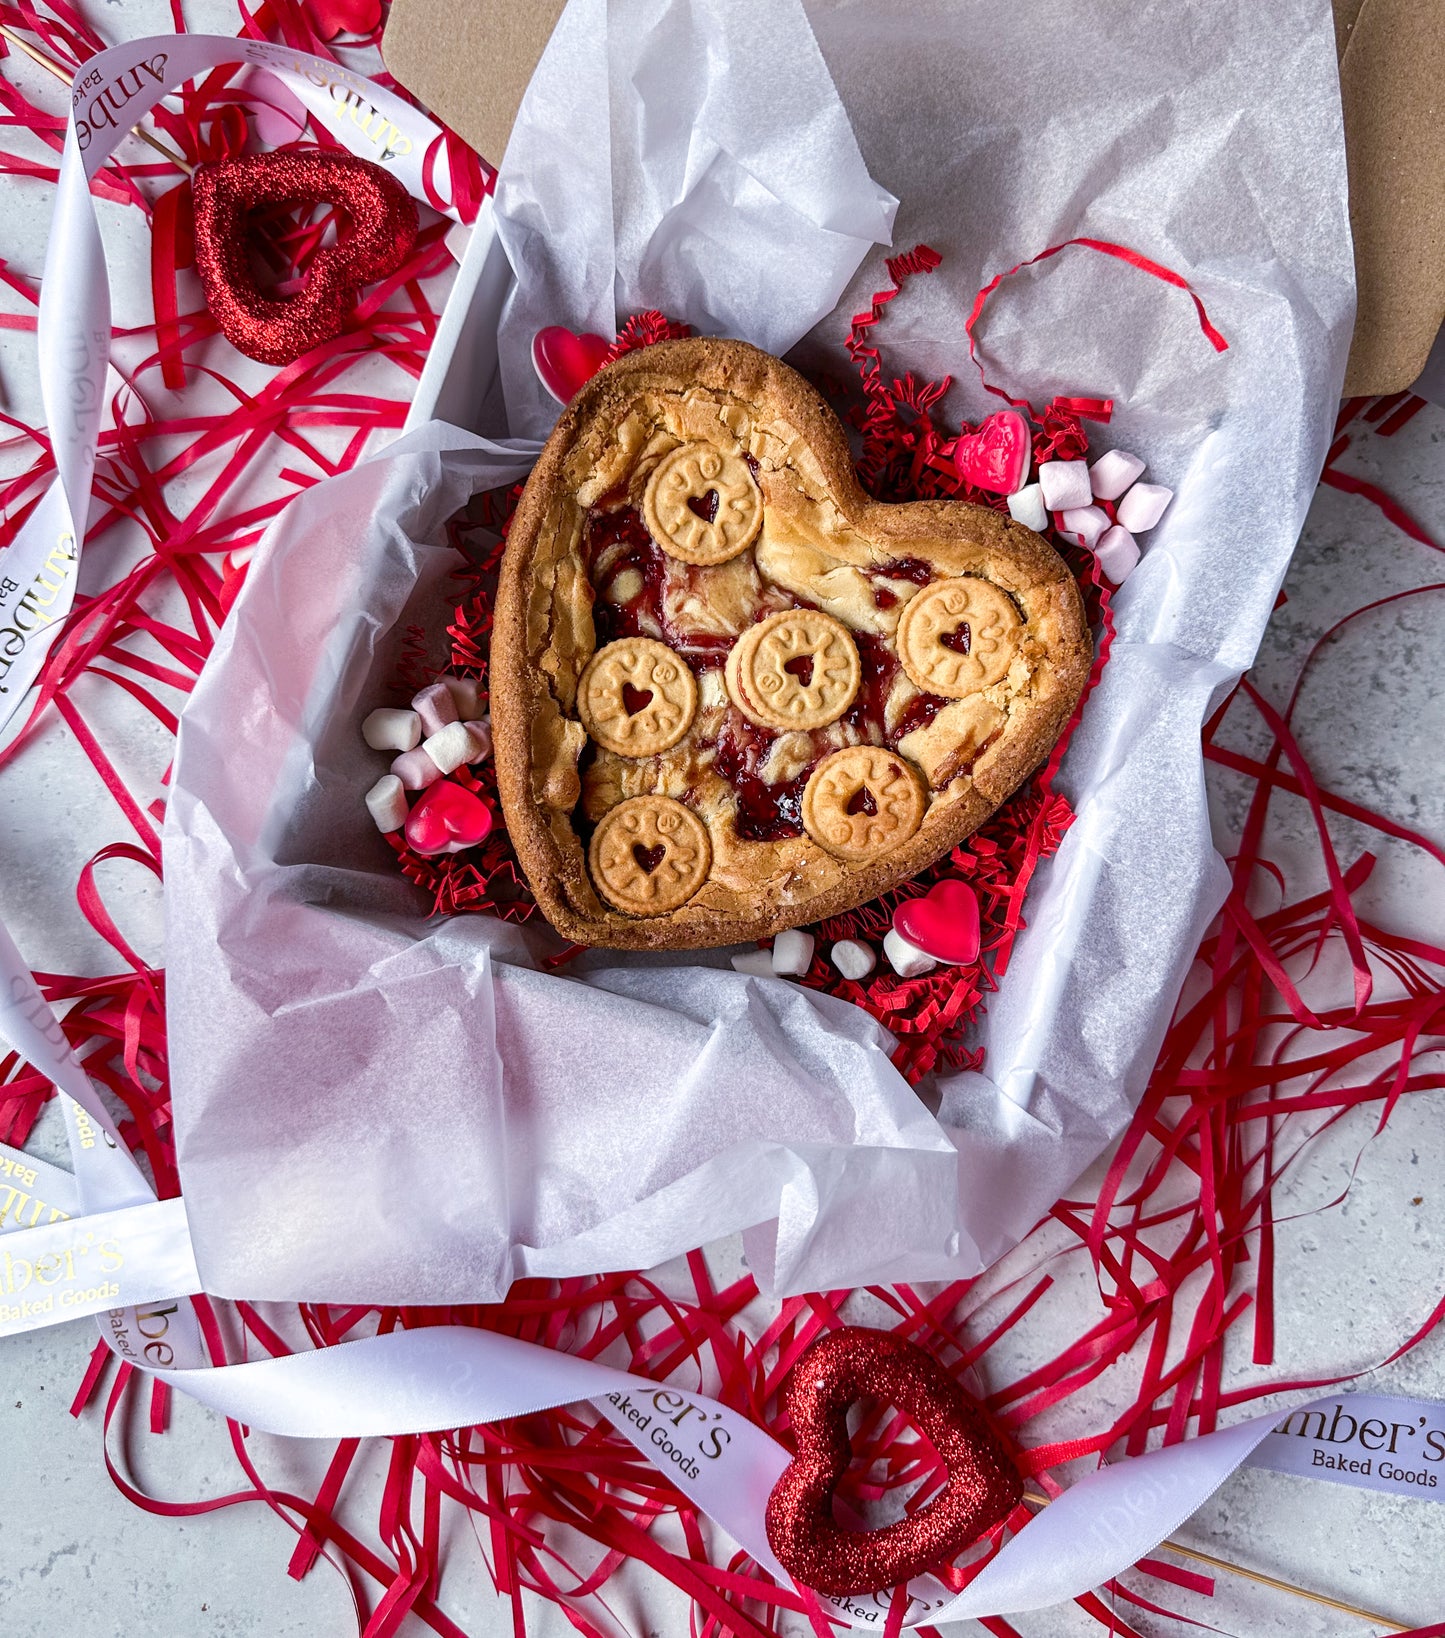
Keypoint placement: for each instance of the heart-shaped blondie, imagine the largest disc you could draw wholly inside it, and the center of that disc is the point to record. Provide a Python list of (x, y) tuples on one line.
[(732, 694)]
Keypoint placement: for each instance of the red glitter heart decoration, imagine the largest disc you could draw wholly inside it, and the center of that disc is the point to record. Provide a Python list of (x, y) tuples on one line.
[(995, 456), (983, 1485), (943, 923), (565, 361), (448, 818), (278, 329)]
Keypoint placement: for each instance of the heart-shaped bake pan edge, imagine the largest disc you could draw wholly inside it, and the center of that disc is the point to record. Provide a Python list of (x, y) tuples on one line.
[(551, 852)]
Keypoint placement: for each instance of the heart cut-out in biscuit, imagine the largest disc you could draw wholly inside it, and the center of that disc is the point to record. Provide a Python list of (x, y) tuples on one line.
[(841, 690)]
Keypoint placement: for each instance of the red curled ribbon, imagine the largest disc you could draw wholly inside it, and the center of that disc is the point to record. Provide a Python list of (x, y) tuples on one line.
[(1106, 248)]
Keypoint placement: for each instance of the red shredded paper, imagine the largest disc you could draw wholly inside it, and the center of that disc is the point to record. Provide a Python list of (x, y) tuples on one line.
[(561, 1503)]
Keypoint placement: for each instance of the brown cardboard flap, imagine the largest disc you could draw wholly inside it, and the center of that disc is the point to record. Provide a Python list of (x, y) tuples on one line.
[(469, 61), (1390, 80), (1346, 11)]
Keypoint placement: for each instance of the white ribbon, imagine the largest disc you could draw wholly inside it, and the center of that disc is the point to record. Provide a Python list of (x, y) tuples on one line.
[(108, 1245)]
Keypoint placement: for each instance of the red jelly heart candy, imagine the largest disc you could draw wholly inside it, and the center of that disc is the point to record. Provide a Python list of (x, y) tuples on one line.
[(996, 456), (565, 362), (448, 818), (983, 1485), (943, 923), (277, 329)]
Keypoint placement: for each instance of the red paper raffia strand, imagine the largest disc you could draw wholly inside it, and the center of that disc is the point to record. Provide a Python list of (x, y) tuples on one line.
[(1250, 1066), (1104, 247)]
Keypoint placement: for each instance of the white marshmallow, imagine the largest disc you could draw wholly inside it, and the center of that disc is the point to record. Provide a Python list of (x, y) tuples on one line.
[(853, 958), (755, 963), (463, 691), (386, 803), (1027, 507), (435, 706), (1085, 524), (481, 733), (450, 746), (1065, 484), (1143, 506), (416, 770), (792, 953), (1113, 472), (1118, 554), (392, 730), (906, 959)]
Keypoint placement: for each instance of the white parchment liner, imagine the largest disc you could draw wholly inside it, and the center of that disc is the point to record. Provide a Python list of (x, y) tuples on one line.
[(369, 1107)]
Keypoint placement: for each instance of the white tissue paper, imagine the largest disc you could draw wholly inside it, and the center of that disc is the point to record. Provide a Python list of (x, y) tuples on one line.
[(371, 1107)]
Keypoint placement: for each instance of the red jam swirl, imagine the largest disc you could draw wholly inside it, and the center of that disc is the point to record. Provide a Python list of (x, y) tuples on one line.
[(918, 713), (879, 667), (770, 813), (616, 541), (906, 568), (613, 543), (766, 813)]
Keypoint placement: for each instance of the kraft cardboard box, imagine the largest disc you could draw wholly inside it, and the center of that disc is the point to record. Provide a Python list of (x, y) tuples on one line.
[(469, 61)]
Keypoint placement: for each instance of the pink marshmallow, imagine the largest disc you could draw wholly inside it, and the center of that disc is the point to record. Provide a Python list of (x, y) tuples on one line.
[(1113, 472), (1065, 484), (1085, 524), (436, 708), (464, 692), (1117, 554), (481, 733), (1143, 506), (416, 770)]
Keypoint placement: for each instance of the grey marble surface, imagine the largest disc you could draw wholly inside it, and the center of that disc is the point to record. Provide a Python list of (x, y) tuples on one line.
[(1354, 1278)]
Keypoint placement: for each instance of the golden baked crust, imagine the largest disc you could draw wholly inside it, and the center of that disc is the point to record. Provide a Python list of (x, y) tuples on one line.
[(580, 558)]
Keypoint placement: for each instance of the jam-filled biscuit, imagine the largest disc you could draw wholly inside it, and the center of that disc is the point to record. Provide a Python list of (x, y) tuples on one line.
[(958, 636), (702, 504), (862, 801), (872, 680), (649, 855), (796, 669), (637, 697)]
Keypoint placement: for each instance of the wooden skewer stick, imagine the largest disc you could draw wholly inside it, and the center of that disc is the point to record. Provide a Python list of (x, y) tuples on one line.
[(49, 64), (1214, 1563)]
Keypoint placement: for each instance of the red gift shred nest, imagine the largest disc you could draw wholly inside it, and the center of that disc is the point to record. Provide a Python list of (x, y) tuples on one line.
[(905, 454), (562, 1503)]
